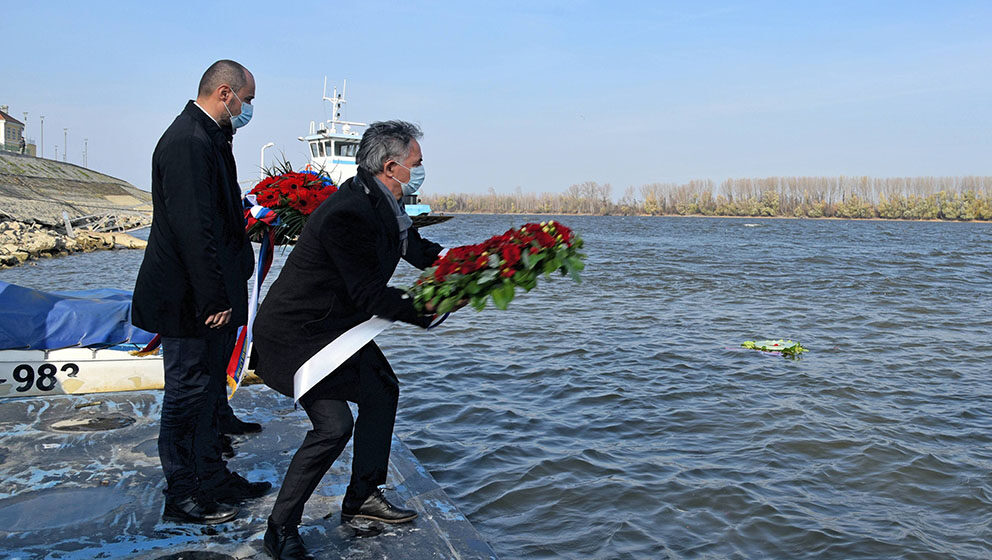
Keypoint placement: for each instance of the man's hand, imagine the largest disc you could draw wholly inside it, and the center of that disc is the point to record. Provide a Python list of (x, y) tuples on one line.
[(218, 319), (461, 303)]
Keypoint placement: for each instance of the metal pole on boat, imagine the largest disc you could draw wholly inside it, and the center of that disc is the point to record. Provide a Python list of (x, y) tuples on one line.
[(261, 163)]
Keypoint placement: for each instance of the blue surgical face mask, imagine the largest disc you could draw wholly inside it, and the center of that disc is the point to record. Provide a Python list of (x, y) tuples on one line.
[(243, 118), (417, 175)]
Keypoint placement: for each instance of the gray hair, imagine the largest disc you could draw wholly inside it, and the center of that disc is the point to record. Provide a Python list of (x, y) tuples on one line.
[(223, 72), (384, 141)]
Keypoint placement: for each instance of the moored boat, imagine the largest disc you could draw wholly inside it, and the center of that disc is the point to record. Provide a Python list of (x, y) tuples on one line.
[(69, 343), (74, 371), (333, 145)]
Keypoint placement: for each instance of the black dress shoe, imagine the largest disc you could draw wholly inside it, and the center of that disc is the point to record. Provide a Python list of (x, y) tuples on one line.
[(234, 426), (237, 488), (284, 543), (193, 510), (377, 508)]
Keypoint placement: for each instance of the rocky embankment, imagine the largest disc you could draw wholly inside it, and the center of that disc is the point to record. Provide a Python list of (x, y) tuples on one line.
[(21, 242), (50, 208)]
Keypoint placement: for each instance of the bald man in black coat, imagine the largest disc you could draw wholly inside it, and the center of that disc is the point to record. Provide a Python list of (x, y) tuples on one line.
[(191, 289)]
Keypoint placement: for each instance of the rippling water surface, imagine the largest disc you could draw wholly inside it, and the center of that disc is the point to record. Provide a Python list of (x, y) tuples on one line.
[(618, 419)]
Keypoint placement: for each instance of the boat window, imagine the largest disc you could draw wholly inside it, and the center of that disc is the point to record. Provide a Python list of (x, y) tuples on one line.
[(347, 149), (313, 148), (328, 147)]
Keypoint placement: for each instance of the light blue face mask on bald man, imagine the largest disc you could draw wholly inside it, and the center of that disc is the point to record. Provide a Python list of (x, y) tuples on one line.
[(417, 175), (244, 117)]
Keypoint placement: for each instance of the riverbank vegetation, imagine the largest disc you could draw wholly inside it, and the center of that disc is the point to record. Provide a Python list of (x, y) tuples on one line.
[(906, 198)]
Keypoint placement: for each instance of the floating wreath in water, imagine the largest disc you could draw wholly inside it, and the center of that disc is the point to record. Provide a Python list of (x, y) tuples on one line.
[(496, 267), (787, 348)]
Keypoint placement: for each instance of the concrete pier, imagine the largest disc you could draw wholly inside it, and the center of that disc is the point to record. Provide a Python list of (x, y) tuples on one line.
[(80, 479)]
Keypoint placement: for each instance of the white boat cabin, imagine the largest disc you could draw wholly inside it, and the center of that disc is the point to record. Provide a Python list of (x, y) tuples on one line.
[(333, 144)]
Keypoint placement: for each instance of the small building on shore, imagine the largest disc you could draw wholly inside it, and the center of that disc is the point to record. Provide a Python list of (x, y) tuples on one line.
[(12, 134)]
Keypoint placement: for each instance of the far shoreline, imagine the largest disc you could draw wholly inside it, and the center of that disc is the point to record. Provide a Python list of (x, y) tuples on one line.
[(828, 218)]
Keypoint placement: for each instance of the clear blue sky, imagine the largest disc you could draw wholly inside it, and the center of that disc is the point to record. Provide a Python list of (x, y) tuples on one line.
[(539, 94)]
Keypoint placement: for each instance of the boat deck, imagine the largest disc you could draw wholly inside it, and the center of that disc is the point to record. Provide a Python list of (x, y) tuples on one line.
[(80, 479), (425, 220)]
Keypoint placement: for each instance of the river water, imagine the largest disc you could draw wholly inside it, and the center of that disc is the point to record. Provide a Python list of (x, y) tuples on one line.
[(617, 418)]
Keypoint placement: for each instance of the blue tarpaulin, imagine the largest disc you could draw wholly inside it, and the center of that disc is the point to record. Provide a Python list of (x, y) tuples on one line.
[(35, 320)]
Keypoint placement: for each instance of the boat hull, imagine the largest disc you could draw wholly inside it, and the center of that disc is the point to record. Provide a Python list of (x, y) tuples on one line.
[(74, 371), (429, 220)]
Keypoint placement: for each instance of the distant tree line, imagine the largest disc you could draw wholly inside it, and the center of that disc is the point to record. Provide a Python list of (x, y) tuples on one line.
[(909, 198)]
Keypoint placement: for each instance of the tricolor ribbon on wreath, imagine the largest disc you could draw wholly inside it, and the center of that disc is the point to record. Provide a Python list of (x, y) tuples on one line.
[(238, 364)]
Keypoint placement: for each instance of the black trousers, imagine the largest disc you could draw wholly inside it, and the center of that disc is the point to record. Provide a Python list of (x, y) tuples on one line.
[(188, 444), (367, 380), (225, 414)]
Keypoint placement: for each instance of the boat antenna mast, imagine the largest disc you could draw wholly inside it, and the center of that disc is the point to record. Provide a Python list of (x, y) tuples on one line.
[(336, 102)]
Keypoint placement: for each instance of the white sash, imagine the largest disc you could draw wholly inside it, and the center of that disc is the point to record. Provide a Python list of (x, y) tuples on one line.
[(328, 358)]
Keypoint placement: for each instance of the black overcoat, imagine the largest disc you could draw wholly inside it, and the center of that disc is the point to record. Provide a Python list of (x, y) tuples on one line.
[(335, 278), (198, 259)]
